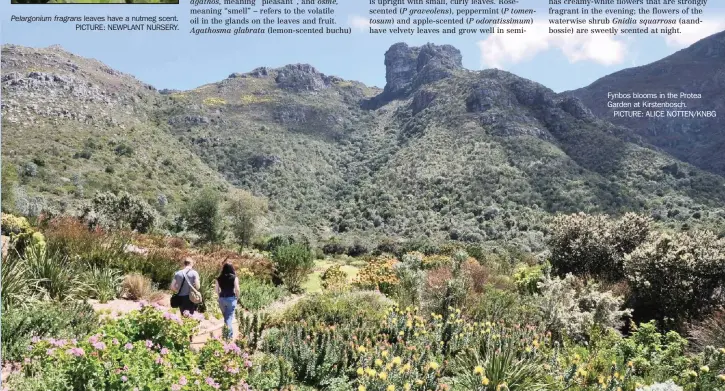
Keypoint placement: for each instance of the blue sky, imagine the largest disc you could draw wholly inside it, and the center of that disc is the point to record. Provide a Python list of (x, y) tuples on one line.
[(180, 60)]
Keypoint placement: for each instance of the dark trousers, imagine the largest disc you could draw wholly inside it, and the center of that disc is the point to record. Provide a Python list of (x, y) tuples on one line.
[(187, 305)]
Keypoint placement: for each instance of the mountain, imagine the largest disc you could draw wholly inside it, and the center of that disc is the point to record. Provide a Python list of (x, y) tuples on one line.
[(72, 126), (698, 69), (440, 153)]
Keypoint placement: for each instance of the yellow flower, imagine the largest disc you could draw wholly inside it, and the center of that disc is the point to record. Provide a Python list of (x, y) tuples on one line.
[(383, 376), (418, 381), (406, 386), (378, 362), (361, 349), (500, 386), (601, 379), (705, 369), (390, 388), (433, 365), (485, 381), (721, 377), (361, 388), (360, 371), (478, 370), (385, 353), (630, 364), (408, 324), (396, 360), (405, 367)]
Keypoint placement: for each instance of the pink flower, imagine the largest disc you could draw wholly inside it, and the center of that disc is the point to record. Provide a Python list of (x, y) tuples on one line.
[(232, 370), (50, 351), (175, 387), (248, 364), (124, 378), (93, 339), (186, 313), (196, 371), (182, 380), (78, 352), (128, 346), (115, 342), (99, 345), (35, 340), (149, 344), (143, 303), (164, 351), (159, 360)]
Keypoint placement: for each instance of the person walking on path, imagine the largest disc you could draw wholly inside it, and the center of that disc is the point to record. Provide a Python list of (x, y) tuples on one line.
[(183, 280), (227, 288)]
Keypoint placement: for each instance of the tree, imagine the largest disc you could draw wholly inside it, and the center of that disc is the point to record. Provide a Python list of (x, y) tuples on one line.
[(244, 210), (202, 215), (292, 264)]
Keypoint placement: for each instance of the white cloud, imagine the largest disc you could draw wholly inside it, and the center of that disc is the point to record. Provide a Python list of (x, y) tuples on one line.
[(692, 33), (500, 49), (360, 23)]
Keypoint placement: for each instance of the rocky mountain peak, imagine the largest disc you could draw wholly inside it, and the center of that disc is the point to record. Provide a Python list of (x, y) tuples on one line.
[(301, 77), (409, 67)]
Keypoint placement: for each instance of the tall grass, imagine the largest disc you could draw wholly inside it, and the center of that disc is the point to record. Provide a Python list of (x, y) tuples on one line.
[(56, 277), (16, 285), (101, 283)]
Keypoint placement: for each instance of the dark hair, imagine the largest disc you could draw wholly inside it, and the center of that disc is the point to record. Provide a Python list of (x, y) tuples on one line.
[(227, 275)]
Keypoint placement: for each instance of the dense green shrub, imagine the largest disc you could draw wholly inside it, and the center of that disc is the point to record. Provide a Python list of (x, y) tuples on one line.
[(292, 264), (678, 276), (570, 307), (43, 319), (256, 294), (120, 211), (339, 308), (595, 244)]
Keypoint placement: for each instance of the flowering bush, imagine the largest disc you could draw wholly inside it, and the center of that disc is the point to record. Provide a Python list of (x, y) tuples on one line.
[(334, 279), (379, 274), (148, 350)]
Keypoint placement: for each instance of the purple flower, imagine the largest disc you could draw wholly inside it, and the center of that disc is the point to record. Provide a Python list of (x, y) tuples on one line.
[(231, 347), (186, 313), (93, 339), (128, 346), (35, 339), (124, 378), (248, 364), (164, 351), (143, 303), (149, 344), (115, 342), (232, 369), (209, 381), (50, 351), (99, 345)]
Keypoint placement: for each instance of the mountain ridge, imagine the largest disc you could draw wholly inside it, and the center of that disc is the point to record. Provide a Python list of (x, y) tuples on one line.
[(439, 153)]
